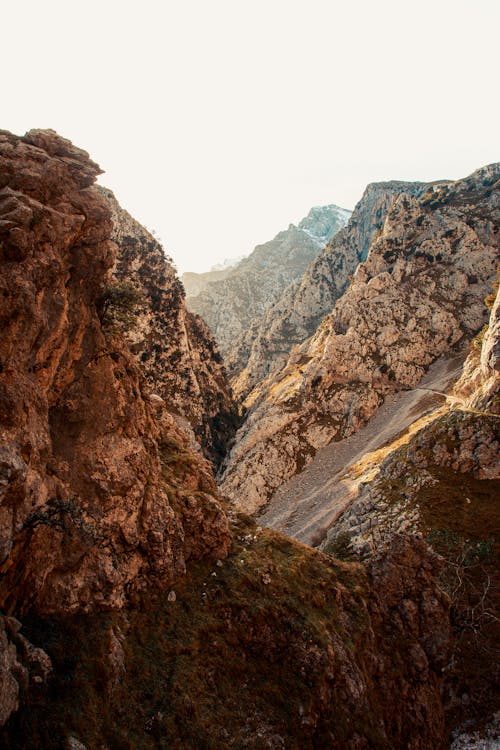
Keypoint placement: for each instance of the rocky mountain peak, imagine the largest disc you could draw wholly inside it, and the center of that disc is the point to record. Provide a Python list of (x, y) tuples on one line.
[(419, 293), (174, 347), (239, 298), (295, 315)]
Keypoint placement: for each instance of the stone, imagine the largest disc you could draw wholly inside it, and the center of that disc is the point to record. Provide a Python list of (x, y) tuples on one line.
[(87, 463)]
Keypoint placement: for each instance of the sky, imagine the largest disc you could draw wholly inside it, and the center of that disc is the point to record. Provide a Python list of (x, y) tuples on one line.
[(219, 122)]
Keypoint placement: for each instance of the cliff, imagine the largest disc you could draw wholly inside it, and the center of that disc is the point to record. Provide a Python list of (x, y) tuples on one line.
[(230, 305), (419, 294), (87, 516), (173, 347), (265, 347)]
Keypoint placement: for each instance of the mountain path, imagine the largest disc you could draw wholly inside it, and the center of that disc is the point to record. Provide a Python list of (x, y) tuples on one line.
[(307, 505)]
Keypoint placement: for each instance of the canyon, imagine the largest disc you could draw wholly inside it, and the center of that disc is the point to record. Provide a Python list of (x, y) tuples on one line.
[(356, 409)]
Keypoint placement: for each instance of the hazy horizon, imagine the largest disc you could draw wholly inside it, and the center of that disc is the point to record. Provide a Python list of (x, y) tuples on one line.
[(219, 124)]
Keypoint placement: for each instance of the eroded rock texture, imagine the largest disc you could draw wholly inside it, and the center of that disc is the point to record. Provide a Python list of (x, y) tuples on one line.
[(265, 347), (462, 443), (420, 292), (174, 347), (87, 514)]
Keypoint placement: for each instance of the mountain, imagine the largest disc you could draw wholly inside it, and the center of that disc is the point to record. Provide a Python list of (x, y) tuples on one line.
[(174, 347), (296, 314), (136, 609), (89, 515), (230, 304), (419, 294), (195, 283)]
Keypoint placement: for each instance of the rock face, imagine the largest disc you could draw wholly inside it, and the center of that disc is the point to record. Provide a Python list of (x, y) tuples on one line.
[(465, 440), (229, 305), (266, 345), (88, 513), (174, 347), (419, 293), (22, 666)]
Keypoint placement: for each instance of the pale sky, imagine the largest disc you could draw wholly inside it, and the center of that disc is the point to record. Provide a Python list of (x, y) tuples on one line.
[(219, 122)]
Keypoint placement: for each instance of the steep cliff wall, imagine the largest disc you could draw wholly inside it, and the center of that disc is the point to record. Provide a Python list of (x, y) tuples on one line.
[(266, 345), (419, 293), (87, 515), (174, 347)]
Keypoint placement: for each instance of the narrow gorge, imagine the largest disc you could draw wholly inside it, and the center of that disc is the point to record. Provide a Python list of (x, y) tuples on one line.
[(260, 515)]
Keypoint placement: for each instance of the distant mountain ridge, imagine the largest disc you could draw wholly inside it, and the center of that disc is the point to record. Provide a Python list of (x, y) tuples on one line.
[(239, 296), (296, 314), (419, 293)]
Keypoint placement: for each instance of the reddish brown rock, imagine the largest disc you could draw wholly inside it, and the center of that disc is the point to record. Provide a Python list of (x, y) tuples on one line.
[(174, 347), (87, 516)]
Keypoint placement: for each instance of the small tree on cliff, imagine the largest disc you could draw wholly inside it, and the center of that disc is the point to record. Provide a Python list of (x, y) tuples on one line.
[(119, 306)]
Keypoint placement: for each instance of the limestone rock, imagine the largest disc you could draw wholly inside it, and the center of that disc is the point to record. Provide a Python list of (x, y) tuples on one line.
[(465, 440), (419, 293), (174, 347), (266, 345), (229, 305)]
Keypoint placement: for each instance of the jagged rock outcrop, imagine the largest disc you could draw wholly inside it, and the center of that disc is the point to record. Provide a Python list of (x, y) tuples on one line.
[(419, 293), (266, 345), (174, 347), (230, 305), (100, 494), (464, 440)]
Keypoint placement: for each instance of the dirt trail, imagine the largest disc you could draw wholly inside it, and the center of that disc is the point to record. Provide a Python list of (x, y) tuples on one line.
[(309, 502)]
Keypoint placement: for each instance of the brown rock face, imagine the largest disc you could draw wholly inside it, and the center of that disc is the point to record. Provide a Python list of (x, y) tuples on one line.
[(86, 511), (173, 346)]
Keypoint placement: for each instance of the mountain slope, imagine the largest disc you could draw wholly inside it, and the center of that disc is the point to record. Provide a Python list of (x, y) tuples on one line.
[(229, 305), (294, 317), (419, 293)]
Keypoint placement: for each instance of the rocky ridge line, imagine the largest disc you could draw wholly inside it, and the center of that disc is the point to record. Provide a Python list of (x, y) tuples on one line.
[(419, 293), (173, 346), (295, 316), (230, 305)]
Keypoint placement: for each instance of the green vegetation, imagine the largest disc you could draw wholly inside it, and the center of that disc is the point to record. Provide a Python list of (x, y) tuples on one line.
[(119, 306)]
